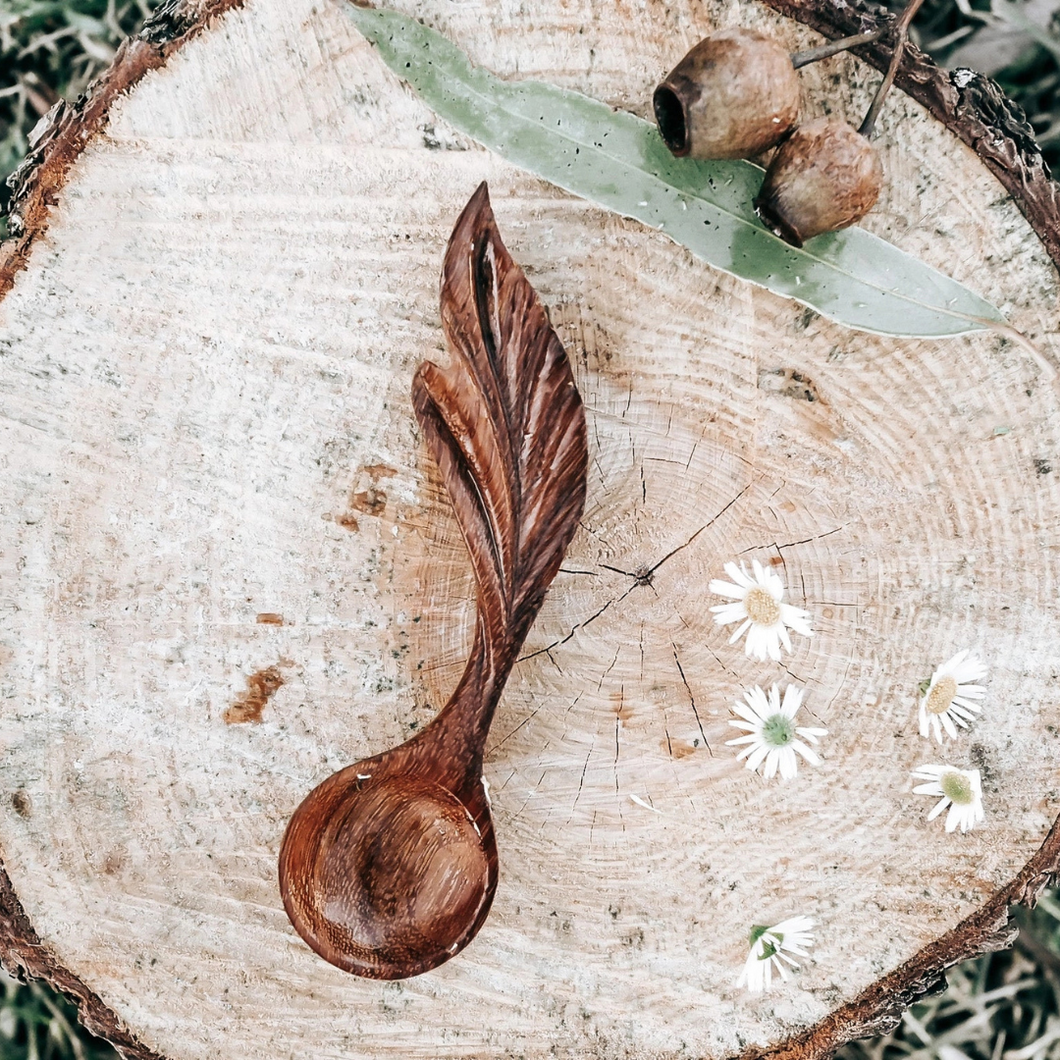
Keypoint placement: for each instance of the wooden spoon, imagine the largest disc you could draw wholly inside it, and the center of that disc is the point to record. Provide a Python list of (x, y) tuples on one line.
[(389, 867)]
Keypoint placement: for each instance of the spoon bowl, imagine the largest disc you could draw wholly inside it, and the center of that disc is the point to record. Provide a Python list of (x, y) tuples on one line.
[(388, 875)]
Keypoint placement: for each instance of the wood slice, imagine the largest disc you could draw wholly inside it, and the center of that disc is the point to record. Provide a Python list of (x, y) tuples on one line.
[(229, 567)]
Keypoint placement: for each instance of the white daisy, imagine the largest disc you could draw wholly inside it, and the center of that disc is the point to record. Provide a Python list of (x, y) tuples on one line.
[(770, 946), (772, 735), (948, 697), (960, 789), (760, 609)]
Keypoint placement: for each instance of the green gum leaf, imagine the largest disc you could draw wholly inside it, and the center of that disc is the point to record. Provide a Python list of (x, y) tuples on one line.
[(617, 160)]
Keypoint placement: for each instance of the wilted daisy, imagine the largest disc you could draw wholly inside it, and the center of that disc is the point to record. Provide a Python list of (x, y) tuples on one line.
[(949, 696), (760, 609), (772, 735), (770, 946), (960, 789)]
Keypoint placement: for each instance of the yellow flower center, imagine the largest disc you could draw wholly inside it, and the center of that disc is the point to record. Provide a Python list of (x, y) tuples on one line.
[(941, 696), (761, 608)]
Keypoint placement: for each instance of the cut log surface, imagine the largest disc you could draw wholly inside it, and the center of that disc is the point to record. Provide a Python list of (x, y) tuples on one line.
[(228, 567)]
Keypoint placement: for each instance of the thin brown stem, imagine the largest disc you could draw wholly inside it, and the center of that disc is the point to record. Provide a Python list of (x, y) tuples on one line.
[(834, 47), (868, 126)]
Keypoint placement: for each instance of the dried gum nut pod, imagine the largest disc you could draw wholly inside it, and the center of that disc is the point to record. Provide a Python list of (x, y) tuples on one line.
[(824, 177), (735, 94)]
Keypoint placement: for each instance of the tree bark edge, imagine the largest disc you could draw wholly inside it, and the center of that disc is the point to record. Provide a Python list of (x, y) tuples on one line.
[(67, 129)]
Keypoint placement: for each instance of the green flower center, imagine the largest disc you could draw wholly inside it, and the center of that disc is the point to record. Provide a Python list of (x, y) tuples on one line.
[(761, 608), (778, 730), (769, 949), (941, 696), (957, 788)]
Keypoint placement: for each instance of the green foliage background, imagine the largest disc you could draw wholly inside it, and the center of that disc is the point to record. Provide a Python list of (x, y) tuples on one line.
[(1003, 1006), (51, 49), (36, 1023)]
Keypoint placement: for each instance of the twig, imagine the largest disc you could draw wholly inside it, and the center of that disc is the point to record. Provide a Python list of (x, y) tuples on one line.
[(868, 126), (833, 47)]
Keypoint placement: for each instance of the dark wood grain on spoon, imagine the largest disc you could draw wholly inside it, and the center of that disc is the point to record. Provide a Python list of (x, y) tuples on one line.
[(389, 867)]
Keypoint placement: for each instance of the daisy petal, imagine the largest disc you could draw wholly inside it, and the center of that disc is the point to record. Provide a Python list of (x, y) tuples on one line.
[(788, 766), (739, 575), (758, 755), (726, 614), (780, 631), (927, 789), (720, 588)]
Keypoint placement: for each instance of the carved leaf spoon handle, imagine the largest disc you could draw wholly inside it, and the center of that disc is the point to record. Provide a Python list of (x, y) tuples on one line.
[(389, 867)]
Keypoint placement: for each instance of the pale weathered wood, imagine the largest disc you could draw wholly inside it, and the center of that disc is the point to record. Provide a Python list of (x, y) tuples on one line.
[(211, 472)]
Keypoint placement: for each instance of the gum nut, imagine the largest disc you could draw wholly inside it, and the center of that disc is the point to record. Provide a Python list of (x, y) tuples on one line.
[(824, 177), (735, 94)]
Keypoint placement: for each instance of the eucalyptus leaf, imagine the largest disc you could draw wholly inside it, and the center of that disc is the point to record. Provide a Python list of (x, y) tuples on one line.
[(619, 161)]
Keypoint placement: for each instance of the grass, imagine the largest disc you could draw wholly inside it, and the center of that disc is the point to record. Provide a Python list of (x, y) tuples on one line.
[(1003, 1006), (50, 50), (38, 1024)]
